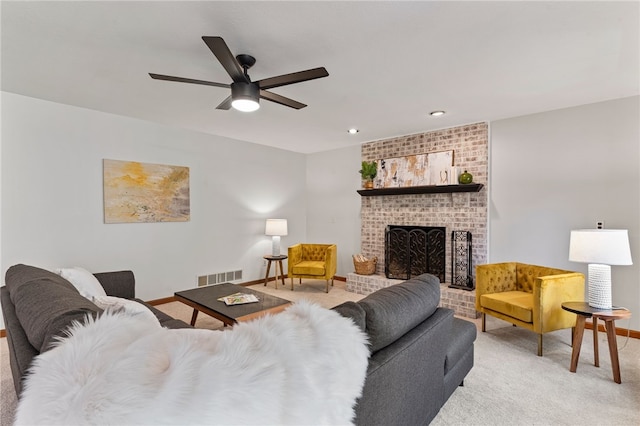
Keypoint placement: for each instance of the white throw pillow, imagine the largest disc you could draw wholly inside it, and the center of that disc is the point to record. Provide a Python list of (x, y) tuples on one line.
[(131, 307), (84, 281)]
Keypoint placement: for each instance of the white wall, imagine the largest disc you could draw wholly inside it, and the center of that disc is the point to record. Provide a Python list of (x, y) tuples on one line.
[(333, 205), (561, 170), (52, 207)]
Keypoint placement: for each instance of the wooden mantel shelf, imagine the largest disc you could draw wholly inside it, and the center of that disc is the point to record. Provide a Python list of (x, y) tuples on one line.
[(430, 189)]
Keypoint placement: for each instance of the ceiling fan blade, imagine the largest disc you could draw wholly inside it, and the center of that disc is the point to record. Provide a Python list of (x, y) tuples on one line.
[(270, 96), (187, 80), (226, 104), (226, 58), (295, 77)]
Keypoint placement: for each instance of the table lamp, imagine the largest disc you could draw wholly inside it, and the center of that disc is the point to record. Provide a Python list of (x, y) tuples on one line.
[(600, 248), (276, 228)]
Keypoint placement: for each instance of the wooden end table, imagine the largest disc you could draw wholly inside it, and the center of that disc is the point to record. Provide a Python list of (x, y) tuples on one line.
[(584, 311), (278, 260)]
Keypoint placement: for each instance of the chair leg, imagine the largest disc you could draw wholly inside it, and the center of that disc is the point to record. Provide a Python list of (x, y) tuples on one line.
[(291, 283), (484, 322), (328, 284), (539, 344)]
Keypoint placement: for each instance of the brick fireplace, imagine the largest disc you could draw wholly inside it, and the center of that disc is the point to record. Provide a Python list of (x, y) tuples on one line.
[(465, 211)]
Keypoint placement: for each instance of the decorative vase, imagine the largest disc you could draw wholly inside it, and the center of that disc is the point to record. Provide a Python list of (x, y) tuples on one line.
[(465, 177), (368, 184)]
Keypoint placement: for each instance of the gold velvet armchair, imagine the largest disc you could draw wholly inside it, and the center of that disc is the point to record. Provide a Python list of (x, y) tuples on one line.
[(528, 296), (316, 261)]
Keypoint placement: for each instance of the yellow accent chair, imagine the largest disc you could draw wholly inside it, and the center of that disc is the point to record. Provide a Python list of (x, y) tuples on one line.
[(528, 296), (316, 261)]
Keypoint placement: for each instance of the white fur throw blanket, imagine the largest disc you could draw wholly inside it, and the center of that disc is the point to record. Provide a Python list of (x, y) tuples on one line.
[(306, 365)]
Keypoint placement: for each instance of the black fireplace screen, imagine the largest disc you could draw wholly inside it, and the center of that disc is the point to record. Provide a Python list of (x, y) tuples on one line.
[(414, 250)]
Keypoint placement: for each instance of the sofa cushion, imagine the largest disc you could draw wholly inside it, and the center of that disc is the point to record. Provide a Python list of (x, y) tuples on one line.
[(516, 304), (309, 267), (393, 311), (526, 275), (354, 311), (314, 252), (45, 303)]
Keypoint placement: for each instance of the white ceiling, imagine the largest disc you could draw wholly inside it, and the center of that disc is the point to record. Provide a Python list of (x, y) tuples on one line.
[(390, 63)]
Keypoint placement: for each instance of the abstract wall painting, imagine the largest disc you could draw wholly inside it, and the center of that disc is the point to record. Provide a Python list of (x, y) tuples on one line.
[(400, 172), (433, 168), (140, 192)]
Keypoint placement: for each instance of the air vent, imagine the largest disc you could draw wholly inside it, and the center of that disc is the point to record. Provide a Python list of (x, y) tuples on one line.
[(219, 278)]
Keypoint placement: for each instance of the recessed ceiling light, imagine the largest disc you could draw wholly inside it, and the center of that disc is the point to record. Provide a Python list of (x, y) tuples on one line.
[(436, 113), (353, 131)]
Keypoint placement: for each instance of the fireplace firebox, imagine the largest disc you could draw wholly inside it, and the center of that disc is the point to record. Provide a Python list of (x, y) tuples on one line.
[(414, 250)]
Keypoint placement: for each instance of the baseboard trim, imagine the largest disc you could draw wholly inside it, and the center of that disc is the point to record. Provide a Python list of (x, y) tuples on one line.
[(161, 301), (619, 331)]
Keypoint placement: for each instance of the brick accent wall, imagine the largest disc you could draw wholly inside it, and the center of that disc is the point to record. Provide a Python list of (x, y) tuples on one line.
[(455, 211)]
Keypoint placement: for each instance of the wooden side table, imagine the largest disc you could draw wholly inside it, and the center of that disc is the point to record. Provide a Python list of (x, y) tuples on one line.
[(584, 311), (278, 260)]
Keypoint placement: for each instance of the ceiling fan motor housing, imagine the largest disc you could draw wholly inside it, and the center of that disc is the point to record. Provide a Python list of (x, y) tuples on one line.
[(241, 90), (245, 96)]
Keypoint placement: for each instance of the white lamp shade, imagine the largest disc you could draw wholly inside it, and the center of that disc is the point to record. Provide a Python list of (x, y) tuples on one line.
[(276, 227), (602, 246)]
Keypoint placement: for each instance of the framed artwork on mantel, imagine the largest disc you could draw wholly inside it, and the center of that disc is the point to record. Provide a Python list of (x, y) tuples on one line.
[(143, 192), (434, 168)]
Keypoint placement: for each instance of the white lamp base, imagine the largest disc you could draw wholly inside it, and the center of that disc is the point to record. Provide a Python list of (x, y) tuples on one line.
[(599, 286), (275, 247)]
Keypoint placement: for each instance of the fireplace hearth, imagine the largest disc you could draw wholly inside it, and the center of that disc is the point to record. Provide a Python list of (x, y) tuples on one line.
[(414, 250)]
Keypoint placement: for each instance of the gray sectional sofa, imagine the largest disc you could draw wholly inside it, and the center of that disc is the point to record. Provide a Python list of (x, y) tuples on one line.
[(420, 353)]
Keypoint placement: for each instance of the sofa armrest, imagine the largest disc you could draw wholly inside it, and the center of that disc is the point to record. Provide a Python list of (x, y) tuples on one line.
[(118, 284), (295, 256), (494, 278), (332, 260), (549, 292)]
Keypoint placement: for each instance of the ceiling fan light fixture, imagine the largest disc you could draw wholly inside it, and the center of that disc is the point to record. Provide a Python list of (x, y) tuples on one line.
[(245, 105), (246, 96)]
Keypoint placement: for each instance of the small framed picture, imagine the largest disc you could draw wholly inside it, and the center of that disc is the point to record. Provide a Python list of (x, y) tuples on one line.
[(440, 167)]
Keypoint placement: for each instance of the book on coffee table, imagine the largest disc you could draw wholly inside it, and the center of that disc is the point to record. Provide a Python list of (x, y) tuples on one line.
[(239, 299)]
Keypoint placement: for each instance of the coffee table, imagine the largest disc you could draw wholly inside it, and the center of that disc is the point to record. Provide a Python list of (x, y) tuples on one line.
[(205, 299)]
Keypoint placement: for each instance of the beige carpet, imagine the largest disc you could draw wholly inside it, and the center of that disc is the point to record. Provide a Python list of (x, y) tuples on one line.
[(508, 385)]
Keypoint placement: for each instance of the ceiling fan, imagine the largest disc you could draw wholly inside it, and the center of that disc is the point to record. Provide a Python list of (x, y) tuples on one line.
[(246, 94)]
